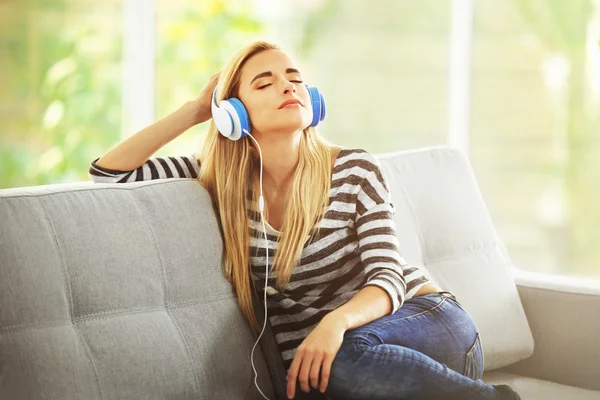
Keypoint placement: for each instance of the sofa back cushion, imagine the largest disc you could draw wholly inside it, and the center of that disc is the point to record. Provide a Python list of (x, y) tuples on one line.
[(444, 228), (116, 291)]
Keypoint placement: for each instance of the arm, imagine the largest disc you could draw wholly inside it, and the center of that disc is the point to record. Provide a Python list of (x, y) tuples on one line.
[(136, 149), (382, 293), (385, 288), (153, 168), (133, 152), (369, 304), (129, 161)]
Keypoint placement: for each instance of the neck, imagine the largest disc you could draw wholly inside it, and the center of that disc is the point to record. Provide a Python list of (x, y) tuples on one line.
[(280, 155)]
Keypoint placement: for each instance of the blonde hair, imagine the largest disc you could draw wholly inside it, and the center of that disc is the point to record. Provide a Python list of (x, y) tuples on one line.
[(230, 172)]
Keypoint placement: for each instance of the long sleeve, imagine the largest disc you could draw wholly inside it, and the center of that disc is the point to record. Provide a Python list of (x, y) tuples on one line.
[(153, 168), (376, 232)]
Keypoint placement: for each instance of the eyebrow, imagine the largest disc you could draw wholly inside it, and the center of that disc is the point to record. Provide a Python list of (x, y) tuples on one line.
[(269, 73)]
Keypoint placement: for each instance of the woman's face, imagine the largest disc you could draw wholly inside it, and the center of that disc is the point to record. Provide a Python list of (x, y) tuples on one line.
[(268, 79)]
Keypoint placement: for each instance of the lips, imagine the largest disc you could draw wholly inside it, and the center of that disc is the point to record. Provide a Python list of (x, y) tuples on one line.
[(291, 101)]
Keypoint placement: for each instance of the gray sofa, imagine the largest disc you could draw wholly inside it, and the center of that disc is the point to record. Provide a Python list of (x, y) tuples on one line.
[(115, 291)]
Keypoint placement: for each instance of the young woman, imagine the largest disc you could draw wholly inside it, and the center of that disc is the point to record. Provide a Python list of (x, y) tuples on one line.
[(351, 318)]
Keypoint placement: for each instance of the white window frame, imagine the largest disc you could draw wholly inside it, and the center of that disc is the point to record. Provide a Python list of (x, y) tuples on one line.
[(138, 75), (459, 80)]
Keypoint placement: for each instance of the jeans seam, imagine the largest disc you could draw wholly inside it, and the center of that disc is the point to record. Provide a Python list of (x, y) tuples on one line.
[(411, 316), (470, 359), (423, 312)]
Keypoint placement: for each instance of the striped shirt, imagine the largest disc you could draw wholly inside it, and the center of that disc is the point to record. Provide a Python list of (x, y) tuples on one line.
[(154, 168), (356, 247)]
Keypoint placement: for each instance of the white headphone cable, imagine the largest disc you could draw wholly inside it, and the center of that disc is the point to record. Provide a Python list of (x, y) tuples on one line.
[(261, 206)]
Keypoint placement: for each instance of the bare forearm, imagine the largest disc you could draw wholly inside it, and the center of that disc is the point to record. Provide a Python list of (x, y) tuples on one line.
[(138, 148), (369, 304)]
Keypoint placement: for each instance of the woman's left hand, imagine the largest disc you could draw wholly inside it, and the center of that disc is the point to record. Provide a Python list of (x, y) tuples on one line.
[(317, 350)]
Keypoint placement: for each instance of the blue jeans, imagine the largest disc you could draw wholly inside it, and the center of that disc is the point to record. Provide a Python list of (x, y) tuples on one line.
[(429, 349)]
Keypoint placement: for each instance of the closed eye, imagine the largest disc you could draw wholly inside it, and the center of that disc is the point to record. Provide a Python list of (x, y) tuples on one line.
[(264, 86)]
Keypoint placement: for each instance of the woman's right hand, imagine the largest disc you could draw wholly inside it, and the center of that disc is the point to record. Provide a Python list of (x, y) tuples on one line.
[(203, 100)]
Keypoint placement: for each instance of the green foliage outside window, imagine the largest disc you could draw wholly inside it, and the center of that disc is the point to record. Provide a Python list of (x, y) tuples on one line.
[(62, 72)]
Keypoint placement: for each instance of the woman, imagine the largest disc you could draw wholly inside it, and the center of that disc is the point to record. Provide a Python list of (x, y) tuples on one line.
[(351, 318)]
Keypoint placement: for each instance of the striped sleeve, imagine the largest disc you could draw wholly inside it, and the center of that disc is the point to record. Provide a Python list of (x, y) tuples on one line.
[(154, 168), (376, 232)]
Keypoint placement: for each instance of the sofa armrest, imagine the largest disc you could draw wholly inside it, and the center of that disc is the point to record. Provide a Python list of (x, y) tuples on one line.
[(564, 317)]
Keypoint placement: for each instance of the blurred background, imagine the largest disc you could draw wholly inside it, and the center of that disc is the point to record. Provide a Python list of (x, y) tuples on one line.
[(515, 84)]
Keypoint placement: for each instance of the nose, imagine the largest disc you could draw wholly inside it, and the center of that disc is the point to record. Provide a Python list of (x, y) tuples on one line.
[(288, 87)]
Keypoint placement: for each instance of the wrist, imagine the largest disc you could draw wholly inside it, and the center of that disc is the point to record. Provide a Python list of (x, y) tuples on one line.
[(192, 112), (188, 113), (337, 319), (199, 111)]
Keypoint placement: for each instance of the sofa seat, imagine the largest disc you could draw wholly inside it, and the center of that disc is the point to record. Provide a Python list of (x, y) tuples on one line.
[(538, 389)]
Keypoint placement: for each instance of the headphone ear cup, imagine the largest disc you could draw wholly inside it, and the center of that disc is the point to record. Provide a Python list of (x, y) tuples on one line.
[(318, 105), (323, 108), (243, 127), (220, 116), (230, 117)]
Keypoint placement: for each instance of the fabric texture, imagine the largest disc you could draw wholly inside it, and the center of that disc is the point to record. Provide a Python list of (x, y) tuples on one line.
[(106, 292)]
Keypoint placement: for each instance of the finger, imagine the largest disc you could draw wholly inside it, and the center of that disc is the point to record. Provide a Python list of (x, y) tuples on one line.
[(289, 391), (291, 387), (315, 369), (292, 374), (326, 371), (305, 371)]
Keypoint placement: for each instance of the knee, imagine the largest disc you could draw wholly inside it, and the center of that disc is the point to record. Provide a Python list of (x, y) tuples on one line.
[(340, 380), (343, 377)]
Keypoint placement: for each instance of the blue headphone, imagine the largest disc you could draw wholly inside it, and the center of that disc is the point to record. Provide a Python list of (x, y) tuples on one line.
[(231, 117)]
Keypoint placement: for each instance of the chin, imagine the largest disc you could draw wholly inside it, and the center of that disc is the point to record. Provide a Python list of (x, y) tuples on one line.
[(289, 126), (291, 129)]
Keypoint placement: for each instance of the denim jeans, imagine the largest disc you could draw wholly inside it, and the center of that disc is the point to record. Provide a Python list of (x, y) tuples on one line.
[(429, 349)]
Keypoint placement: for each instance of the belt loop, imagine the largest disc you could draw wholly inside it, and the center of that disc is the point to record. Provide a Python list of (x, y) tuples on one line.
[(448, 294)]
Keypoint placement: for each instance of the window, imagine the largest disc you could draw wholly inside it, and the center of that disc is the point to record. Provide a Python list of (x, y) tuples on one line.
[(515, 84), (194, 40), (60, 88), (527, 114), (535, 137)]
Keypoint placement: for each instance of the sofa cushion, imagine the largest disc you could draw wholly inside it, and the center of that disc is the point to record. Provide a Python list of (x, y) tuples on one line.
[(538, 389), (116, 291), (444, 228)]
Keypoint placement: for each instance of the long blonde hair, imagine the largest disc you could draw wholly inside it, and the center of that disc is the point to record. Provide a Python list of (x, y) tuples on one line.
[(230, 172)]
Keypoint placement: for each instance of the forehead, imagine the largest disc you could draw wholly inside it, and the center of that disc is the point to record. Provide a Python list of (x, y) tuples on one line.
[(268, 60)]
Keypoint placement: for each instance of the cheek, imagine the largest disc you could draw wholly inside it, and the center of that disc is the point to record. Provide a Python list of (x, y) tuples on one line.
[(253, 110), (256, 113)]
